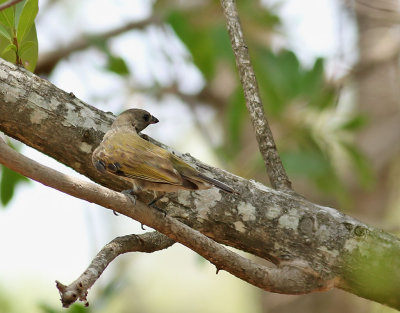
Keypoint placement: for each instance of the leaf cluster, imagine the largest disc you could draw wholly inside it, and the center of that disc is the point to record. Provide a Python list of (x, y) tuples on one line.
[(18, 39)]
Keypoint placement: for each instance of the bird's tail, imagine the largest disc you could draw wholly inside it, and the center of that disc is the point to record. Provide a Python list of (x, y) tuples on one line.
[(216, 183)]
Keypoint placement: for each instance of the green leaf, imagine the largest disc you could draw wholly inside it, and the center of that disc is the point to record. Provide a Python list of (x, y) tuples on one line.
[(10, 47), (197, 40), (8, 52), (313, 79), (7, 17), (117, 65), (9, 180), (78, 308), (27, 19), (290, 73), (222, 44), (17, 12), (26, 46), (257, 13), (18, 28), (273, 80), (5, 33), (355, 123), (29, 50)]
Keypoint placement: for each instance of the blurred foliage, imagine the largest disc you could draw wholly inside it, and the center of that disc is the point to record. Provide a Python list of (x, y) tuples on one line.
[(204, 33), (18, 39), (5, 300), (8, 182), (114, 64), (297, 99), (74, 308)]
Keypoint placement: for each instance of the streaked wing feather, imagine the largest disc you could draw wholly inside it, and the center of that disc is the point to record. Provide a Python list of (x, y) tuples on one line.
[(137, 158)]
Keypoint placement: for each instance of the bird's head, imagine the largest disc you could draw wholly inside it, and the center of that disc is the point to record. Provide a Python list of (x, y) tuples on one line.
[(136, 118)]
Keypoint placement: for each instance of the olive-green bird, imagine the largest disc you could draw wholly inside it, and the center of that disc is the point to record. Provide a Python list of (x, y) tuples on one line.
[(149, 167)]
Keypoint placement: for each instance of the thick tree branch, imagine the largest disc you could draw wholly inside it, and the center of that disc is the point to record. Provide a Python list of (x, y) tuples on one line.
[(290, 277), (148, 242), (48, 60), (276, 172), (278, 226)]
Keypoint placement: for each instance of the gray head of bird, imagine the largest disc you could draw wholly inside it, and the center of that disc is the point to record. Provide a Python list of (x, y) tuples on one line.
[(136, 118)]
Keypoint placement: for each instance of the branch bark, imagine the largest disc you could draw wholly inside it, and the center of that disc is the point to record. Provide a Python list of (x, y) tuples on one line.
[(286, 229), (266, 143)]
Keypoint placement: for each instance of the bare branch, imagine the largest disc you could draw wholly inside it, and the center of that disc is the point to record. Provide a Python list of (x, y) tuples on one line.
[(8, 4), (77, 290), (48, 60), (276, 172)]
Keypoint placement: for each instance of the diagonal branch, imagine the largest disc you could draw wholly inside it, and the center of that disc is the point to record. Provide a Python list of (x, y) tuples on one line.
[(276, 172), (290, 278), (48, 60), (8, 4), (148, 242)]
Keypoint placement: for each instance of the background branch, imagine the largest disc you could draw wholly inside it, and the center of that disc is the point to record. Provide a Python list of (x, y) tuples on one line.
[(48, 60), (276, 172)]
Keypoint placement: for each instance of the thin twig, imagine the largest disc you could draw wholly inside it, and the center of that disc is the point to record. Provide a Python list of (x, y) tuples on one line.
[(8, 4), (275, 170), (77, 290), (289, 278)]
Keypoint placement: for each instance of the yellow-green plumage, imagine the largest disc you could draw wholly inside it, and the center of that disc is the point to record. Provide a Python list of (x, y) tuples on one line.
[(124, 153)]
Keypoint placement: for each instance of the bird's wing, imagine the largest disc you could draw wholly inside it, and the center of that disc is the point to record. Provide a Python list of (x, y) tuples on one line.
[(128, 155)]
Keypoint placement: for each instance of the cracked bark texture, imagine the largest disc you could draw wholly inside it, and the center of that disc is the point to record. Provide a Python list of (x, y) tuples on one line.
[(283, 228)]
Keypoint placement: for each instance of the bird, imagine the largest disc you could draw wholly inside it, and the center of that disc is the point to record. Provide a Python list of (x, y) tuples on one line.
[(124, 153)]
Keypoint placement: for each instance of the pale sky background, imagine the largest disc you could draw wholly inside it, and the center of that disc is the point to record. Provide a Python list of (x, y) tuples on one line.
[(47, 235)]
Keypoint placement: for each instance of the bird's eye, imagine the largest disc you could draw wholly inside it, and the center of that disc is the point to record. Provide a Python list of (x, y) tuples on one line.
[(146, 117)]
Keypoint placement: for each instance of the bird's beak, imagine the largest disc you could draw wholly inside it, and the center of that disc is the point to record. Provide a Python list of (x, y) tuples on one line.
[(153, 120)]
